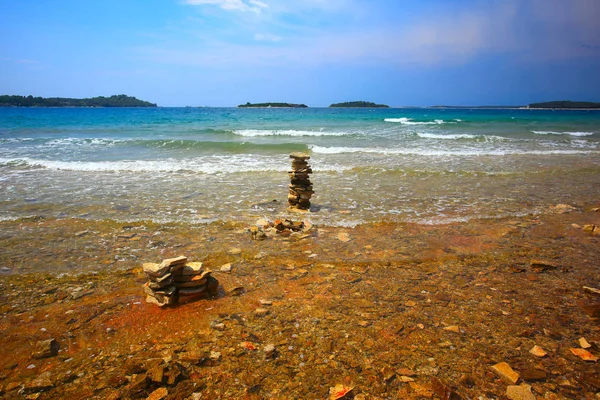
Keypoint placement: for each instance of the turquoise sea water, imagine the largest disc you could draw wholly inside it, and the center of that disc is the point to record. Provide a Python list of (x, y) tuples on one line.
[(203, 164)]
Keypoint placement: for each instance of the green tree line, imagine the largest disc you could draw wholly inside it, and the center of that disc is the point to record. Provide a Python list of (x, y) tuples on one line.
[(120, 100)]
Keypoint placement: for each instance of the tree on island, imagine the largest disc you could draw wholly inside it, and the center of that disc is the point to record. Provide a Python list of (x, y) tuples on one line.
[(120, 100), (277, 105), (357, 104), (565, 104)]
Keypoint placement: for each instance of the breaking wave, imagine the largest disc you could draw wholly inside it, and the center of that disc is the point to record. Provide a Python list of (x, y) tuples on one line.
[(563, 133), (409, 121)]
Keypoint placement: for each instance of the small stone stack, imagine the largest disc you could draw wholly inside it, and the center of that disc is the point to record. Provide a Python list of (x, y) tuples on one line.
[(175, 280), (300, 189)]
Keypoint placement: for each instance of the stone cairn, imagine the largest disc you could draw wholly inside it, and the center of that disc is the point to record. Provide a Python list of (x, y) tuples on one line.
[(300, 188), (175, 280)]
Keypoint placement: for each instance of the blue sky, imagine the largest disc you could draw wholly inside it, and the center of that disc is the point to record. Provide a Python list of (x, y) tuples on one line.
[(227, 52)]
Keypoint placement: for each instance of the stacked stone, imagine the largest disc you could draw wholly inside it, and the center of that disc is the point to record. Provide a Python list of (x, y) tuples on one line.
[(175, 280), (300, 189)]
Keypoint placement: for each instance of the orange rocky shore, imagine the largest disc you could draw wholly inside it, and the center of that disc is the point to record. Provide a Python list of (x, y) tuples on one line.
[(494, 309)]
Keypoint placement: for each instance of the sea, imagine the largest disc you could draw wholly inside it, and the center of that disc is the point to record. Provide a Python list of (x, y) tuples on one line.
[(205, 165)]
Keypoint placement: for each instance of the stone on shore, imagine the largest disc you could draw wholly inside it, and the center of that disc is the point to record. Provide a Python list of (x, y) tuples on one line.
[(175, 280), (504, 371), (521, 392), (46, 348)]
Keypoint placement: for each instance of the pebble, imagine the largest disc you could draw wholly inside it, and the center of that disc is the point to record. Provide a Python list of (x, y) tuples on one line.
[(538, 351), (225, 268), (158, 394), (584, 343), (235, 251), (521, 392), (504, 371), (261, 312), (452, 328)]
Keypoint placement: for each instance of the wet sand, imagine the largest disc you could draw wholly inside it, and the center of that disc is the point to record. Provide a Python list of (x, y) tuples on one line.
[(390, 310)]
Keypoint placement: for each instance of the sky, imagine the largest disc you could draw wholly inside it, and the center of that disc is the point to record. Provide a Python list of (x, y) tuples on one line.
[(316, 52)]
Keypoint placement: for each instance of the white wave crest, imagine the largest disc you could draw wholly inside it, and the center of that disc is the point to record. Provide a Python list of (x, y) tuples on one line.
[(206, 165), (442, 153), (563, 133), (409, 121), (275, 132), (455, 136)]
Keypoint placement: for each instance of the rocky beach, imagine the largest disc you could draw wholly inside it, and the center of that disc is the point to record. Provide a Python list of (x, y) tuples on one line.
[(487, 309)]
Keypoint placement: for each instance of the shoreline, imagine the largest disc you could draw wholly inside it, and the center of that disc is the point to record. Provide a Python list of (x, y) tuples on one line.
[(390, 309)]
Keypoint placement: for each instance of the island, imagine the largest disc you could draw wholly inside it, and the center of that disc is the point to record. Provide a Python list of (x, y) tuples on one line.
[(120, 100), (359, 104), (565, 104), (272, 105)]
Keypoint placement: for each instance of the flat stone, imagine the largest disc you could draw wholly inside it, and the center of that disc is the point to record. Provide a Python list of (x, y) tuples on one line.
[(300, 156), (343, 236), (541, 265), (192, 283), (153, 269), (266, 302), (191, 268), (533, 375), (191, 291), (161, 302), (46, 348), (235, 251), (584, 343), (521, 392), (217, 325), (39, 384), (158, 394), (504, 371), (584, 354), (538, 351), (261, 312), (452, 328), (226, 267), (173, 262)]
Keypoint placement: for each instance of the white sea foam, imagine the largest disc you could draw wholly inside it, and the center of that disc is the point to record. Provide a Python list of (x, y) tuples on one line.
[(206, 165), (275, 132), (409, 121), (563, 133), (447, 137), (442, 153)]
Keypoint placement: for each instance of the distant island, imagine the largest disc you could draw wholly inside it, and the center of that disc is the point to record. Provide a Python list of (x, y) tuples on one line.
[(565, 104), (120, 100), (358, 104), (275, 105)]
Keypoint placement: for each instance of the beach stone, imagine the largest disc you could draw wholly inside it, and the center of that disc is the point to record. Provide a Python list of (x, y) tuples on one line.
[(584, 343), (538, 351), (261, 312), (225, 267), (39, 384), (300, 156), (235, 251), (153, 269), (217, 325), (504, 371), (173, 262), (158, 394), (46, 348), (192, 268), (541, 265), (533, 375), (521, 392)]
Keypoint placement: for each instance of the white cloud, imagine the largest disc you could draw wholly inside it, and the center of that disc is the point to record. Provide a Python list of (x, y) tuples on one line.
[(232, 5)]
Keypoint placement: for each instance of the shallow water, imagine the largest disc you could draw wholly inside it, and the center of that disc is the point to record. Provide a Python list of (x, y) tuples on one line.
[(204, 164)]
